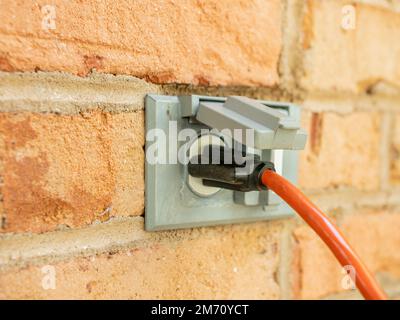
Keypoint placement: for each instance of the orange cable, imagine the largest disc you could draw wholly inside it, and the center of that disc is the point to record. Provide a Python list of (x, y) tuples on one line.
[(327, 231)]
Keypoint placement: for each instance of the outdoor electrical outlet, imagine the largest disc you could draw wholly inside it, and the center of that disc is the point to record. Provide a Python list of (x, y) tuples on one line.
[(179, 128)]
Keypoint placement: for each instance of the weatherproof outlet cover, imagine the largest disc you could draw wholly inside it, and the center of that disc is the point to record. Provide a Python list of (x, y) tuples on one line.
[(170, 203)]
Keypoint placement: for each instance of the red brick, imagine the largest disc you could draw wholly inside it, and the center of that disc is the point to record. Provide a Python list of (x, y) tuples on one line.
[(355, 60), (234, 262), (374, 236), (342, 151), (200, 42), (70, 169), (395, 152)]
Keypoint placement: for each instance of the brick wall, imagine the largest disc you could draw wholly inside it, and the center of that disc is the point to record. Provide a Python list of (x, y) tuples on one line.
[(72, 82)]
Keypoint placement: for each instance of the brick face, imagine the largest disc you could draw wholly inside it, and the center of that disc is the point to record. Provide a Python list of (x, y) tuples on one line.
[(350, 60), (373, 235), (395, 152), (226, 263), (315, 271), (339, 149), (203, 42), (70, 170)]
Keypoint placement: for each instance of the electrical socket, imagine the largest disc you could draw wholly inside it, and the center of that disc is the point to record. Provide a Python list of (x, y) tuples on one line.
[(172, 203)]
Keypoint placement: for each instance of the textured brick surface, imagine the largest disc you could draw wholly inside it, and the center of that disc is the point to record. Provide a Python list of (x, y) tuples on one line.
[(229, 262), (395, 151), (374, 236), (201, 42), (342, 150), (70, 170), (315, 271), (356, 60)]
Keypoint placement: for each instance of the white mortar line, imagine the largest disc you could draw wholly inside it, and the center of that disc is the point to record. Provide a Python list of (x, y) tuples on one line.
[(17, 249), (65, 93), (385, 147)]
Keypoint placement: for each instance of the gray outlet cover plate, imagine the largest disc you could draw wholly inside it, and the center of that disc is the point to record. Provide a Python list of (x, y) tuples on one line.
[(170, 204)]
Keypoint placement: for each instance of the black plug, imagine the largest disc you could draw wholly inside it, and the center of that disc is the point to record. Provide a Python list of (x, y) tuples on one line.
[(229, 169)]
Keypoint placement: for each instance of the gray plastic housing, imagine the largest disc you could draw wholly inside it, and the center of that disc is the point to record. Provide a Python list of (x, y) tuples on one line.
[(171, 204), (272, 128)]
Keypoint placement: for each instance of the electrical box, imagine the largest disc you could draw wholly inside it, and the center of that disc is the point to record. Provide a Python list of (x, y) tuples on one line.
[(179, 127)]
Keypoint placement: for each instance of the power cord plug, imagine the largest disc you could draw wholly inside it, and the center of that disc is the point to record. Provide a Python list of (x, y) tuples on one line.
[(229, 169)]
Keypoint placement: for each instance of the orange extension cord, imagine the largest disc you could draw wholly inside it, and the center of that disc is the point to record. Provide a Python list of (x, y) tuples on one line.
[(327, 231)]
